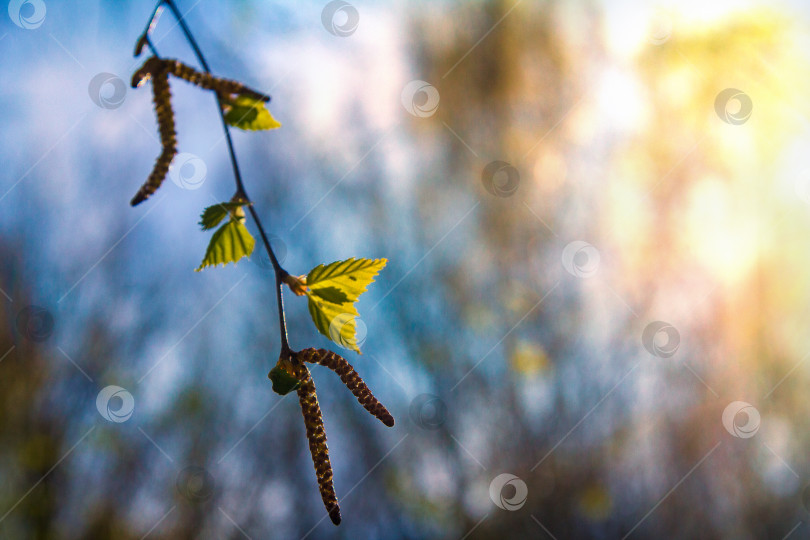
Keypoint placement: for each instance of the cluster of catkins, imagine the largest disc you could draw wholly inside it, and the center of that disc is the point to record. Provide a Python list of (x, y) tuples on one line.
[(291, 373)]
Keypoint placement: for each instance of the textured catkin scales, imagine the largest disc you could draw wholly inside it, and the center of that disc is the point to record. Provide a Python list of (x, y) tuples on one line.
[(351, 379), (224, 87), (155, 70), (317, 442)]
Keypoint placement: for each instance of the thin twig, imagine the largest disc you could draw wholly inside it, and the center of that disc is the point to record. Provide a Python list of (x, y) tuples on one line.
[(241, 192)]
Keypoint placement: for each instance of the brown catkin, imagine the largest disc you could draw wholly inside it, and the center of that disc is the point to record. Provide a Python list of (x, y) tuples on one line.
[(155, 69), (152, 65), (224, 87), (351, 379), (317, 442)]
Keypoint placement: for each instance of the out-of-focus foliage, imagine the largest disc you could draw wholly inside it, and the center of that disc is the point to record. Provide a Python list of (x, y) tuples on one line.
[(494, 355)]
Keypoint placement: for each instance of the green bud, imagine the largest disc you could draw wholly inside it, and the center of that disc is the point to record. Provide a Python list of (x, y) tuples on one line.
[(283, 382)]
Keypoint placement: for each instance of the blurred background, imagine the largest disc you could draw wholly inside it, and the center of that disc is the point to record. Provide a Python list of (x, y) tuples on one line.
[(594, 319)]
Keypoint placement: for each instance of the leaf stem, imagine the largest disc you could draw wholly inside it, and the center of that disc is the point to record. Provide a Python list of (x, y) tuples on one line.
[(280, 273)]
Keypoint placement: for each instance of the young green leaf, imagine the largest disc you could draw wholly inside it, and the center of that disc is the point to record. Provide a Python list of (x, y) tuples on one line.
[(229, 243), (332, 291), (249, 113), (213, 215)]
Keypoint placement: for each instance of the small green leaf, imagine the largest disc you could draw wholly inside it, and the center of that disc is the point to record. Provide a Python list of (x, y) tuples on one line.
[(229, 243), (332, 292), (249, 113), (213, 215)]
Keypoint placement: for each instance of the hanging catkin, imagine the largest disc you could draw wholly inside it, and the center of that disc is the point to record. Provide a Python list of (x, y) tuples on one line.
[(351, 379), (316, 435), (155, 69), (224, 87)]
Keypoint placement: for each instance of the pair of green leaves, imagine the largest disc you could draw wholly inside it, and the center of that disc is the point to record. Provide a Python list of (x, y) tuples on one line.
[(332, 290), (230, 242)]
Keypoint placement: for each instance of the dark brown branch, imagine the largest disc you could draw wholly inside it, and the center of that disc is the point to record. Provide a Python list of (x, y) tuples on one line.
[(241, 193), (291, 365)]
